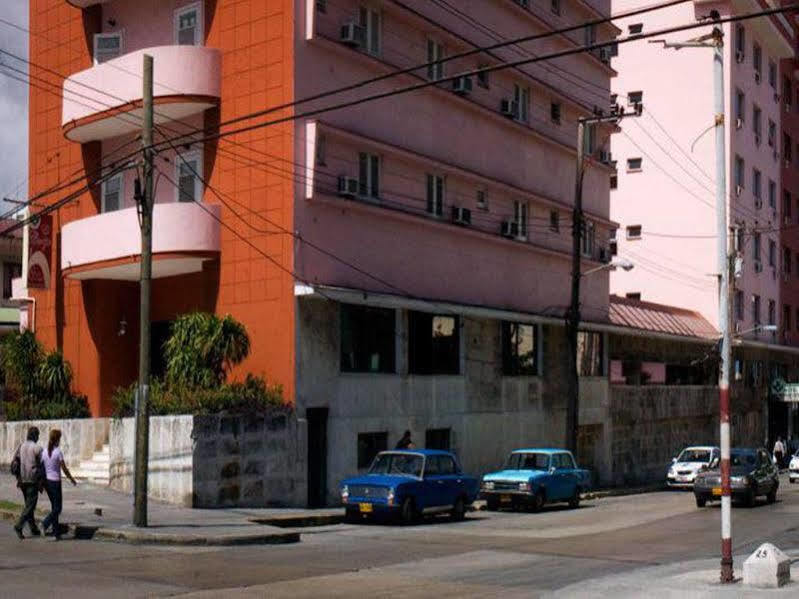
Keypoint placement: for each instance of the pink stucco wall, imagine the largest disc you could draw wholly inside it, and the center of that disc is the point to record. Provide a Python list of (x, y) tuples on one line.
[(144, 23)]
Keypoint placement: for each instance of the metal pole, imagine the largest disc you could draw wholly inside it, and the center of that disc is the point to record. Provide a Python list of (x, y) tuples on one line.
[(573, 316), (724, 308), (146, 222)]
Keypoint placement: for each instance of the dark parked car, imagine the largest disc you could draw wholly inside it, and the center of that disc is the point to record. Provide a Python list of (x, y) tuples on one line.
[(410, 483), (752, 474)]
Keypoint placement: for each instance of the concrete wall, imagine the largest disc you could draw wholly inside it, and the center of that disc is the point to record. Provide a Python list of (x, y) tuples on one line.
[(216, 461), (80, 437)]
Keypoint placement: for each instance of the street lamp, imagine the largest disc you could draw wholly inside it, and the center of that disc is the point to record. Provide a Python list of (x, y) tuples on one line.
[(771, 328), (617, 262)]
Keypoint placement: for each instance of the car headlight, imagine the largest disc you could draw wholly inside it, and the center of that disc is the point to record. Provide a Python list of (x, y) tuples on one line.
[(345, 494), (739, 480), (390, 497), (488, 485), (524, 486)]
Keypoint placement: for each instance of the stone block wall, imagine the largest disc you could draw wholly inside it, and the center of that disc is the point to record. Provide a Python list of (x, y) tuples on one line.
[(80, 437)]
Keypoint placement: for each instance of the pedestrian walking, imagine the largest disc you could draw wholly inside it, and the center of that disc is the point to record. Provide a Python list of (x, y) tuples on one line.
[(54, 463), (405, 442), (779, 452), (27, 467)]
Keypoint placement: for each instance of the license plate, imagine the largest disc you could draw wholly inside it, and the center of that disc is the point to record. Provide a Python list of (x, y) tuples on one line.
[(365, 508), (716, 491), (505, 498)]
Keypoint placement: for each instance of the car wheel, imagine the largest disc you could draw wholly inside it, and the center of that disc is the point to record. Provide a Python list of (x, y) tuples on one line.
[(750, 498), (492, 504), (458, 510), (574, 502), (407, 512), (772, 496), (538, 502), (700, 501), (351, 516)]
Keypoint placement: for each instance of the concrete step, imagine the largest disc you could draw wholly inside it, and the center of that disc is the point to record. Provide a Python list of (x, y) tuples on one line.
[(96, 470)]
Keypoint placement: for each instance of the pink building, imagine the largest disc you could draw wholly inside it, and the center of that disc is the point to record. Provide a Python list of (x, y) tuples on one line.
[(663, 196)]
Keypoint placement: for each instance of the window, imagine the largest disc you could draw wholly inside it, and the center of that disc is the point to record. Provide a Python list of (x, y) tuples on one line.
[(438, 438), (554, 112), (589, 143), (772, 312), (634, 232), (554, 6), (738, 239), (756, 309), (635, 295), (111, 194), (440, 465), (520, 218), (11, 271), (787, 92), (587, 238), (635, 28), (796, 320), (368, 337), (756, 181), (321, 150), (740, 105), (368, 175), (756, 245), (321, 6), (772, 253), (740, 166), (554, 221), (590, 357), (614, 181), (757, 125), (519, 349), (369, 445), (433, 343), (435, 195), (740, 43), (521, 97), (787, 148), (772, 195), (772, 133), (369, 20), (482, 77), (757, 61), (189, 27), (634, 165), (772, 75), (786, 260), (786, 317), (786, 203), (435, 52), (107, 46), (482, 200), (590, 35), (189, 173), (738, 304)]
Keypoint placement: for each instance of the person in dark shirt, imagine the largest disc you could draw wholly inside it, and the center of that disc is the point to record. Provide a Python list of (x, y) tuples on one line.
[(405, 442)]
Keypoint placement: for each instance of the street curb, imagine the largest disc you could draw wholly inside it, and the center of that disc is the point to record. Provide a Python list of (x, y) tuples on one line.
[(300, 521), (620, 492), (139, 537)]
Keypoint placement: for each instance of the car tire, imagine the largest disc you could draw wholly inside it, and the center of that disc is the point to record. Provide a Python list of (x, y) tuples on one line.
[(537, 502), (700, 501), (407, 512), (772, 496), (458, 512), (492, 504), (574, 502)]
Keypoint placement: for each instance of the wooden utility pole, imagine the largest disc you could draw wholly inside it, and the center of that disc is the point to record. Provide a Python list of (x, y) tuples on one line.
[(145, 204)]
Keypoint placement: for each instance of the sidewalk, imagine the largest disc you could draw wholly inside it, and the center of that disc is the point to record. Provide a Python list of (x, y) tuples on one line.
[(100, 513)]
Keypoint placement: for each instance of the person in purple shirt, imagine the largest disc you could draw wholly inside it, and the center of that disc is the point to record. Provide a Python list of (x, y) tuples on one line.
[(53, 461)]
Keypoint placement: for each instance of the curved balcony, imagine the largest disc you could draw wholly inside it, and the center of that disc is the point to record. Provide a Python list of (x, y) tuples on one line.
[(108, 246), (107, 98), (85, 3)]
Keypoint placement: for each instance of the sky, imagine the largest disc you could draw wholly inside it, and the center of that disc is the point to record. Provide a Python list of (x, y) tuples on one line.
[(13, 104)]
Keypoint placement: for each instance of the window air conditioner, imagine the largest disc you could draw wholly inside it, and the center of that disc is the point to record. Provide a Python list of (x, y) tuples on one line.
[(604, 156), (604, 55), (461, 216), (509, 109), (509, 229), (353, 35), (347, 187), (758, 266), (462, 85)]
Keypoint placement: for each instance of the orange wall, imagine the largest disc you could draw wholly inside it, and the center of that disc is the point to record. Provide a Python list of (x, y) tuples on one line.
[(256, 39)]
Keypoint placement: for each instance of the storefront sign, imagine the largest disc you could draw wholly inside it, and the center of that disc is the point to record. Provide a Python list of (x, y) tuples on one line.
[(790, 392), (40, 246)]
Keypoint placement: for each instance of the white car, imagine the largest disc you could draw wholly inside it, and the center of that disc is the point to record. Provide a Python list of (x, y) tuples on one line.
[(793, 468), (689, 463)]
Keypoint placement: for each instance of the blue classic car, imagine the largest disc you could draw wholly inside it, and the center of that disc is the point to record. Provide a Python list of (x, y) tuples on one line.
[(533, 477), (409, 483)]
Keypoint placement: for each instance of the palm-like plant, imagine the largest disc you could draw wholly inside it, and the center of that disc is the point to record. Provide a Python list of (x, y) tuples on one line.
[(202, 348), (54, 376)]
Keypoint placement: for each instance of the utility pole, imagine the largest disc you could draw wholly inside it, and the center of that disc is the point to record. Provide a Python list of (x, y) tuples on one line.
[(145, 202), (573, 314), (715, 40)]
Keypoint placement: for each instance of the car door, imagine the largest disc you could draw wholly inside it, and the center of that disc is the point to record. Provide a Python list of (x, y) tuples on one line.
[(770, 473), (433, 484), (556, 487), (453, 480), (571, 476), (762, 473)]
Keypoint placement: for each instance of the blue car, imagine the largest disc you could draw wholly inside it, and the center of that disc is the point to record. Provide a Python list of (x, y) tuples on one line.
[(409, 483), (533, 477)]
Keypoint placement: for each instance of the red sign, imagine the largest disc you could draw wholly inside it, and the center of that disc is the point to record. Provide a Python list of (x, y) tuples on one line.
[(40, 249)]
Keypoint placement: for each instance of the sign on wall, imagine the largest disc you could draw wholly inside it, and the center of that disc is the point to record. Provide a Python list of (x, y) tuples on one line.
[(40, 246), (790, 392)]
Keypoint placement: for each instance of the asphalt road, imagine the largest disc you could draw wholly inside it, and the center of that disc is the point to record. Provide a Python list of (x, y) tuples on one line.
[(489, 554)]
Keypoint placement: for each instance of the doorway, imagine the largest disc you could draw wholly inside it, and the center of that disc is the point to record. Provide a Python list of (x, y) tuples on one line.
[(317, 457)]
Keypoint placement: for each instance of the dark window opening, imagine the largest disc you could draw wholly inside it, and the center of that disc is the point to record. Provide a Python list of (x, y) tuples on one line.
[(590, 353), (634, 296), (437, 438), (369, 445), (433, 343), (367, 339), (10, 271), (519, 349)]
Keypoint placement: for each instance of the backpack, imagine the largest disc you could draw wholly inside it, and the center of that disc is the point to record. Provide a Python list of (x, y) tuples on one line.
[(16, 464)]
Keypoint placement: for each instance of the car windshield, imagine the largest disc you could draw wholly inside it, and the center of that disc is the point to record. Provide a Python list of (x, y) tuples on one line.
[(742, 459), (694, 455), (404, 464), (527, 461)]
